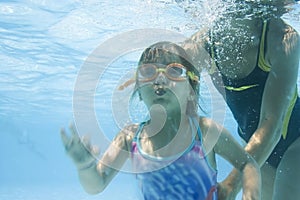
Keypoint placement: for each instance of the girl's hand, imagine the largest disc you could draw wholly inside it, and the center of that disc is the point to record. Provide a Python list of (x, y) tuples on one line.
[(79, 149)]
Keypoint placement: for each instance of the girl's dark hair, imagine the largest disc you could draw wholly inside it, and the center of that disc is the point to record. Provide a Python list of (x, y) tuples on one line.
[(167, 53)]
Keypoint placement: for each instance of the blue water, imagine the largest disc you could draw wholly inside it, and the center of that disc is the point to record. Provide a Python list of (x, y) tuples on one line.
[(43, 46)]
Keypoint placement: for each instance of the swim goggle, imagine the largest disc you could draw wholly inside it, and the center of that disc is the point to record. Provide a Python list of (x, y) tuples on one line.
[(173, 71)]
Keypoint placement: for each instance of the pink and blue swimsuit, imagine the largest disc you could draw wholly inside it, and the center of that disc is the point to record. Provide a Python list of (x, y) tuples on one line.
[(188, 177)]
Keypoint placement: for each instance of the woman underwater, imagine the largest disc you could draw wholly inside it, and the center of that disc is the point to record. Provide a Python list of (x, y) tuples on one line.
[(169, 155), (254, 65)]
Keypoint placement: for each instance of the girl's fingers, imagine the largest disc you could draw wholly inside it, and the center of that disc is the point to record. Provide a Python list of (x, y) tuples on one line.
[(73, 142), (65, 139), (74, 136), (73, 129), (95, 150), (85, 140)]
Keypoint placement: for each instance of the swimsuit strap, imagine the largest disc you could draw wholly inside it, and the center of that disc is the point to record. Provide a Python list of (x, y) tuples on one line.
[(262, 64), (192, 122), (138, 131)]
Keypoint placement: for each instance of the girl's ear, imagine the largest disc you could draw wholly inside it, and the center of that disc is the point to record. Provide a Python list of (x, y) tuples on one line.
[(136, 89), (140, 96), (191, 107)]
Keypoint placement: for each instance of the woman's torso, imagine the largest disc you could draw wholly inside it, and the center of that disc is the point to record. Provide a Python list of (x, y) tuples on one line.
[(236, 46), (241, 74)]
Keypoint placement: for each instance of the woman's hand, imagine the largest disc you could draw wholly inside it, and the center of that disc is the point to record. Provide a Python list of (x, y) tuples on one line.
[(79, 149), (225, 192)]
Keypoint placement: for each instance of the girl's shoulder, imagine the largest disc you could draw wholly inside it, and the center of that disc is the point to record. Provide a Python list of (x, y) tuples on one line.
[(206, 122), (208, 126), (130, 131), (126, 136)]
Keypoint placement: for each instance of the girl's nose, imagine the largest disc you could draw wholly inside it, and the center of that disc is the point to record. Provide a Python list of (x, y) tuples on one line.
[(160, 79)]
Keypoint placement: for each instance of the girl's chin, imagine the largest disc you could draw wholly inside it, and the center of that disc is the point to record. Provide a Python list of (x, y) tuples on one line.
[(160, 101)]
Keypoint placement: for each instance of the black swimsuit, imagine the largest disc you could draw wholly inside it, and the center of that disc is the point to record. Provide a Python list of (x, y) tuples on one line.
[(244, 97)]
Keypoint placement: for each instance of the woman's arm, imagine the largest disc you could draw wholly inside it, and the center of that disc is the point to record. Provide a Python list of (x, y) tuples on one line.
[(283, 56), (227, 147), (95, 175), (283, 51), (195, 48)]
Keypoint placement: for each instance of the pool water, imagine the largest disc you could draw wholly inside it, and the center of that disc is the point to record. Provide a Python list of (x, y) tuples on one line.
[(44, 45)]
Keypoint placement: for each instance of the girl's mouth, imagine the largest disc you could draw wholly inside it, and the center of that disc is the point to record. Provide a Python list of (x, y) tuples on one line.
[(159, 90)]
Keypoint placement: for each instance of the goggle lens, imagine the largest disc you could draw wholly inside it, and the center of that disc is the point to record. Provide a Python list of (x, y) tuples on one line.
[(147, 71), (173, 71), (176, 71)]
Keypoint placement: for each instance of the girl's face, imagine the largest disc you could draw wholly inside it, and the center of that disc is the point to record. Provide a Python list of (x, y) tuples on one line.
[(167, 85)]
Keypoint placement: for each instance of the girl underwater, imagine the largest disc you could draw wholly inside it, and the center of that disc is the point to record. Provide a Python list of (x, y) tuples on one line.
[(167, 151)]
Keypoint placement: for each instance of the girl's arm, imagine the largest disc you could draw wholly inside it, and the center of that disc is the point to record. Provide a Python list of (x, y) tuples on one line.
[(228, 148), (94, 174)]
